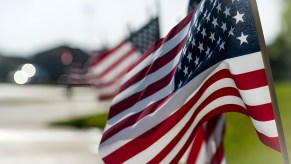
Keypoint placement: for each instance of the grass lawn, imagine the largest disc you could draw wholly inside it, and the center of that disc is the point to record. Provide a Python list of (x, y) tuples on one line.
[(242, 145)]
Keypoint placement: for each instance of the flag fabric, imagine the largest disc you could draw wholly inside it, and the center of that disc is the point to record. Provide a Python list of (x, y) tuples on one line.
[(209, 64), (207, 146), (106, 71), (206, 149)]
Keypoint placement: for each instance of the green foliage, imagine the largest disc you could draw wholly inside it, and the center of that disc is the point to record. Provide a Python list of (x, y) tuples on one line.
[(97, 120), (280, 50)]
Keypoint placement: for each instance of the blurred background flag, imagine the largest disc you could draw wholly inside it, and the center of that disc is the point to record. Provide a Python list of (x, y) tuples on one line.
[(210, 63), (193, 5), (106, 71)]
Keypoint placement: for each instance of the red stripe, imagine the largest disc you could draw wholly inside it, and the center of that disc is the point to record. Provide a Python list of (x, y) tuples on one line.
[(159, 84), (203, 134), (215, 112), (135, 146), (118, 62), (129, 121), (135, 98), (217, 76), (169, 36), (261, 112), (196, 146), (251, 80), (148, 138), (156, 65), (104, 55), (272, 142), (106, 96), (210, 127), (217, 94), (218, 155)]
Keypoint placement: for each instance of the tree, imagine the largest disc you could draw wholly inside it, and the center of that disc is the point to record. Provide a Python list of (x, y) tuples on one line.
[(280, 51)]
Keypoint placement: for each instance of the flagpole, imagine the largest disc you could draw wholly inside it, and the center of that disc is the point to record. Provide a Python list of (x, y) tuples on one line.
[(270, 82), (159, 13)]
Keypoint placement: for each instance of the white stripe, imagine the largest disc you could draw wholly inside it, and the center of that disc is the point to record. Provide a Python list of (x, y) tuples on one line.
[(244, 67), (257, 96), (153, 119), (161, 114), (202, 157), (146, 81), (112, 58), (186, 154), (164, 49), (223, 161), (267, 128), (210, 107), (110, 89), (215, 139), (156, 147), (246, 63), (139, 106), (121, 67), (217, 134)]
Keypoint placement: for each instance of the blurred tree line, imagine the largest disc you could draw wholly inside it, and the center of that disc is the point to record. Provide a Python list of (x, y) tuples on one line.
[(280, 50)]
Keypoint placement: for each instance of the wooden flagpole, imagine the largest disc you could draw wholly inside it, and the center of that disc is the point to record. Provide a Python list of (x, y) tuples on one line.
[(270, 81)]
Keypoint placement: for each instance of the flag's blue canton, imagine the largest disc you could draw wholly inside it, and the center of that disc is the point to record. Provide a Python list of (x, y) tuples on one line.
[(220, 29), (146, 36)]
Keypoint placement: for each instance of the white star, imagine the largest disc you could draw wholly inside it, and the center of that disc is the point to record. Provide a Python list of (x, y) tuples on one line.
[(205, 14), (179, 66), (198, 28), (221, 46), (186, 71), (242, 38), (219, 40), (193, 42), (201, 47), (212, 37), (208, 17), (231, 31), (218, 7), (190, 34), (223, 27), (184, 50), (208, 51), (226, 12), (190, 74), (189, 57), (214, 22), (196, 61), (209, 55), (180, 84), (203, 32), (238, 17)]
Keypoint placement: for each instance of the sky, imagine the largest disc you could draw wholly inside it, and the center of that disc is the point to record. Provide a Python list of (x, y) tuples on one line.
[(31, 26)]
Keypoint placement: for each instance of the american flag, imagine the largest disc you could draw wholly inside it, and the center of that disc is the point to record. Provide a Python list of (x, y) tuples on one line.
[(209, 64), (106, 71)]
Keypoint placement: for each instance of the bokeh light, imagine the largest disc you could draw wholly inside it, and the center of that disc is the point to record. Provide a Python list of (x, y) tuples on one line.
[(20, 77), (29, 69)]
